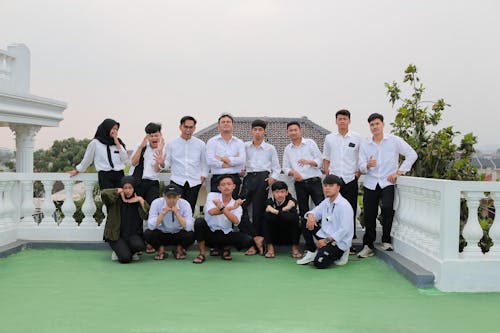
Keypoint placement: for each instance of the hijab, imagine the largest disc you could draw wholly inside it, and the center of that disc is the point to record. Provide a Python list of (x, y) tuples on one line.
[(102, 135)]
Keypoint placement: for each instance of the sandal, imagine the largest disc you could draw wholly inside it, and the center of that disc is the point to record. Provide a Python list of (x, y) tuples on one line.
[(269, 255), (352, 251), (199, 259), (226, 255), (179, 255), (214, 252), (251, 251), (161, 256), (296, 255), (150, 249)]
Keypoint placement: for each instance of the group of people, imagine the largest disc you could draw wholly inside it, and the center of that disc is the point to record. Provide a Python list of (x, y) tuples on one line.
[(242, 173)]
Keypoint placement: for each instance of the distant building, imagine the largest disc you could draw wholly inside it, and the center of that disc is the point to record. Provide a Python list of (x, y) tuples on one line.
[(276, 131)]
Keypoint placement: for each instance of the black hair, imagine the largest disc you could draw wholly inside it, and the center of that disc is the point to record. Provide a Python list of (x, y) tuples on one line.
[(343, 112), (259, 123), (152, 128), (186, 118), (224, 176), (224, 115), (374, 116), (279, 185), (291, 123)]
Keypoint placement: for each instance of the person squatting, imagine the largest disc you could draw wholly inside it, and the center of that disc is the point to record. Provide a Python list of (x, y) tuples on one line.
[(243, 174)]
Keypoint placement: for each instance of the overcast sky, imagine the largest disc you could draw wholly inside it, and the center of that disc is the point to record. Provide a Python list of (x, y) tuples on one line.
[(141, 61)]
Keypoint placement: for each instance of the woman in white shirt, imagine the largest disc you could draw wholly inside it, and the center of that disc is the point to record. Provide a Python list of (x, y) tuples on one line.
[(107, 152)]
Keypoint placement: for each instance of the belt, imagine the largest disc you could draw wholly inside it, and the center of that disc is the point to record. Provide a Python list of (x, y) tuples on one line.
[(258, 173), (311, 180)]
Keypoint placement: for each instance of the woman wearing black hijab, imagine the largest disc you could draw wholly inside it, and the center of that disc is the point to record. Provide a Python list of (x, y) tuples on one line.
[(107, 152), (126, 212)]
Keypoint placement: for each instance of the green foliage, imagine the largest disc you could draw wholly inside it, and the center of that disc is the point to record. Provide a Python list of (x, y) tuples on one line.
[(415, 122), (64, 155)]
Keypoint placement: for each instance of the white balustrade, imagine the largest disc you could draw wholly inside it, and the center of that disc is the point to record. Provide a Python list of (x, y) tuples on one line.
[(68, 208), (495, 227), (27, 207), (48, 205), (89, 207), (472, 231)]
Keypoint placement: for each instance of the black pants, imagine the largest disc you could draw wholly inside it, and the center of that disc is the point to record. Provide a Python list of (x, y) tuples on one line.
[(327, 255), (214, 182), (125, 248), (309, 236), (312, 188), (282, 229), (157, 238), (254, 190), (149, 190), (371, 199), (189, 193), (110, 179), (350, 192), (218, 239)]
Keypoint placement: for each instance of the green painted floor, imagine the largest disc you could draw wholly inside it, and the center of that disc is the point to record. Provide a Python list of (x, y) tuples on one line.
[(83, 291)]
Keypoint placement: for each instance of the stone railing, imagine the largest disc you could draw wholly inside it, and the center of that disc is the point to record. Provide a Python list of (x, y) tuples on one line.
[(426, 230), (15, 69), (5, 65)]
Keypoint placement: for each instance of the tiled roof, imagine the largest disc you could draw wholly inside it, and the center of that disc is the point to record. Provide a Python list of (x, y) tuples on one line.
[(276, 131)]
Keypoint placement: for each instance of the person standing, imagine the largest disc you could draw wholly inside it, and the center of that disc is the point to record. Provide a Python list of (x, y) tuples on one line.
[(107, 152), (186, 158), (225, 154), (379, 160), (302, 160), (331, 223), (145, 163), (261, 171), (340, 157), (123, 228)]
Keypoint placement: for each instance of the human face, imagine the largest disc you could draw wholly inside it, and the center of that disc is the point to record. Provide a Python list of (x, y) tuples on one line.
[(294, 132), (377, 127), (187, 129), (331, 190), (342, 123), (226, 186), (225, 125), (171, 199), (154, 139), (128, 190), (280, 195), (114, 131), (258, 133)]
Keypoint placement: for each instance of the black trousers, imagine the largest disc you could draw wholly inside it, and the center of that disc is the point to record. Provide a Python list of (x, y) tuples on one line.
[(149, 190), (125, 248), (350, 192), (218, 239), (214, 182), (327, 255), (157, 238), (312, 188), (282, 229), (110, 179), (254, 190), (309, 236), (371, 199), (189, 193)]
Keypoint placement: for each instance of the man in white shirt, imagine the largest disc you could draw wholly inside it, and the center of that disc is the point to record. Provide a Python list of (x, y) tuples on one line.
[(170, 222), (145, 162), (225, 154), (262, 169), (340, 157), (302, 160), (186, 158), (331, 223), (222, 212), (379, 160)]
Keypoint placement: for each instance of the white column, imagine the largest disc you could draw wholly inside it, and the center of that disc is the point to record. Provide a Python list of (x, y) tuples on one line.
[(472, 230), (27, 205), (25, 146), (20, 68)]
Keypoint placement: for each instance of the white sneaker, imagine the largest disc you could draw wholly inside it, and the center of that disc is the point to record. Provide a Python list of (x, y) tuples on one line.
[(342, 260), (307, 258), (114, 257), (136, 257), (366, 252), (387, 247)]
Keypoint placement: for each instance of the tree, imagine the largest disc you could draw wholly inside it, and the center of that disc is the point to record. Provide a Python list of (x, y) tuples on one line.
[(438, 155), (64, 155)]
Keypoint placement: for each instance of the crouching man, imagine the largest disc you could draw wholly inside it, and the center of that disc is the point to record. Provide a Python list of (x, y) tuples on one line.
[(331, 223), (170, 222), (222, 212)]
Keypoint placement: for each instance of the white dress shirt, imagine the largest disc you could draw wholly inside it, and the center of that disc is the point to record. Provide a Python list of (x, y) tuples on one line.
[(220, 222), (234, 149), (170, 223), (262, 158), (308, 149), (387, 155), (187, 161), (149, 163), (342, 152), (336, 221), (97, 153)]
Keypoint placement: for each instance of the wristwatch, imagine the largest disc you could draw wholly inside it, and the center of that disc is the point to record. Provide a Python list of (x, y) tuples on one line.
[(221, 208)]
